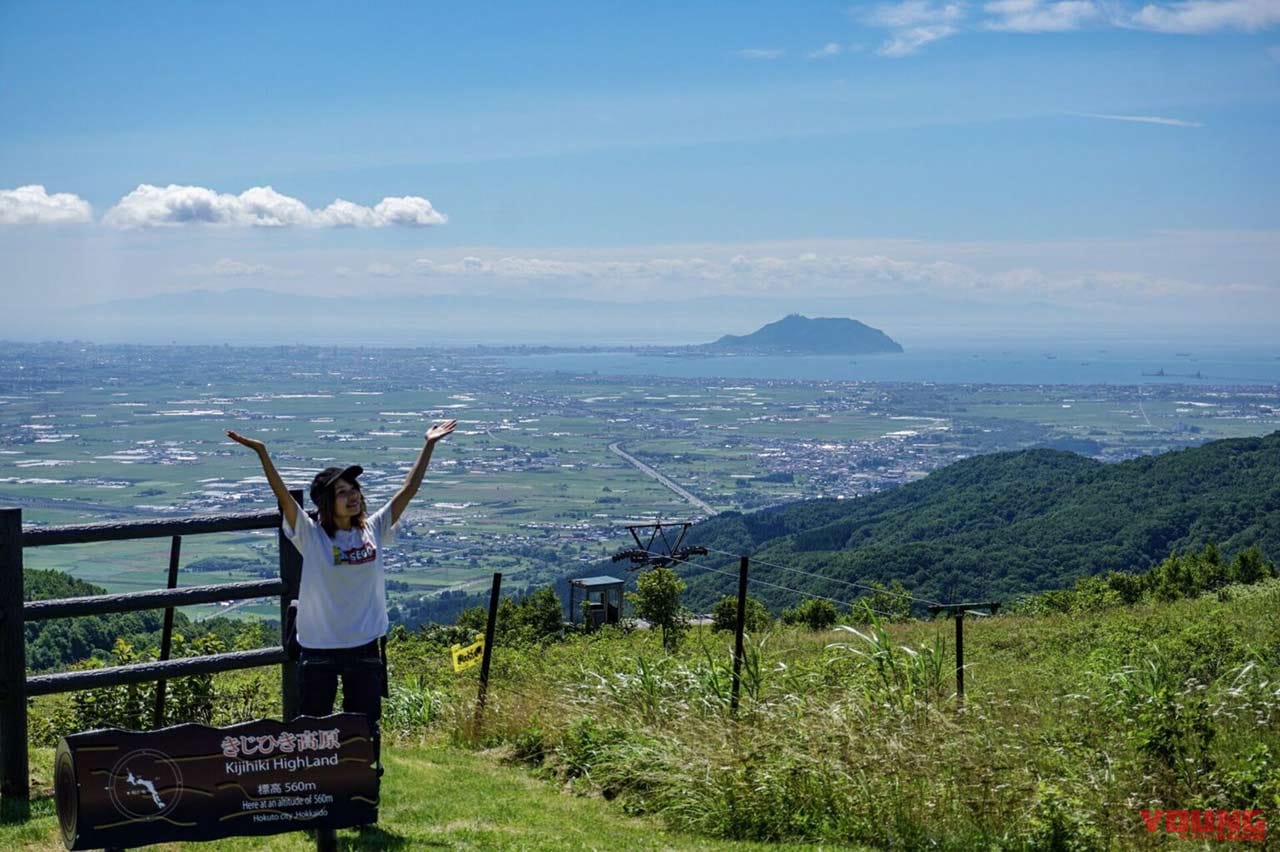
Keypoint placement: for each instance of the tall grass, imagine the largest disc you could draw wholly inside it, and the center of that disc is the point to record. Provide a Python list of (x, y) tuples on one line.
[(1072, 724)]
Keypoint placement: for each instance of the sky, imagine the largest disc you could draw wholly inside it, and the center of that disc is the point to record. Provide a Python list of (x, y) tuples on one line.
[(653, 172)]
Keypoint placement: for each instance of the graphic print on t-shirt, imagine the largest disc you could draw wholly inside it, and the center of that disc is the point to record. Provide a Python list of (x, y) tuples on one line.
[(355, 556)]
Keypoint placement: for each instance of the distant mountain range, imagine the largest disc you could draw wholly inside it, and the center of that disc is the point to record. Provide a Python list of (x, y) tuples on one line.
[(800, 335), (999, 525)]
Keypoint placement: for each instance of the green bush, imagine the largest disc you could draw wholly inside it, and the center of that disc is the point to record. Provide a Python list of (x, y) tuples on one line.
[(814, 613), (725, 615)]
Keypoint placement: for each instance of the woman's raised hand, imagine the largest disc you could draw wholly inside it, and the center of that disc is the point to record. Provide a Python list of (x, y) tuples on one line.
[(440, 430), (252, 443)]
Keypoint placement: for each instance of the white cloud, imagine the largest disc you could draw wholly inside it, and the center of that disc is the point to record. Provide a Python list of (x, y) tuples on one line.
[(761, 53), (909, 42), (342, 271), (408, 210), (1205, 16), (260, 206), (827, 51), (915, 13), (229, 268), (735, 273), (1142, 119), (31, 205), (807, 274), (914, 24), (1038, 16)]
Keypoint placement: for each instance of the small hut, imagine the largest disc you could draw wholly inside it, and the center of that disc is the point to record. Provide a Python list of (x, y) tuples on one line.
[(601, 601)]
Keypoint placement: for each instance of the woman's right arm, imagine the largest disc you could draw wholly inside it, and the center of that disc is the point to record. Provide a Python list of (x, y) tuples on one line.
[(288, 506)]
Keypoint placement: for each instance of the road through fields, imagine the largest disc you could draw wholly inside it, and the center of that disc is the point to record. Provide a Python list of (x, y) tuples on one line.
[(665, 481)]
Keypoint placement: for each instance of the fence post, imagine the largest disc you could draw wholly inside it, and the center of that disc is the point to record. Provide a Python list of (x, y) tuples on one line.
[(166, 636), (494, 596), (13, 670), (291, 576), (738, 650)]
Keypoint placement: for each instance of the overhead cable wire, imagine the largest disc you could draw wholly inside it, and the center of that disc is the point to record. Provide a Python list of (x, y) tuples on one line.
[(750, 579), (852, 583)]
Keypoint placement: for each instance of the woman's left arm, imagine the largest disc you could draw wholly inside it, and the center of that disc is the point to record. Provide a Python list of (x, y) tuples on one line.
[(400, 501)]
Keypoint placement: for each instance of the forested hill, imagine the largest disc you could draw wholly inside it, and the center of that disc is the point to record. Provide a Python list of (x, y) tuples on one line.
[(56, 643), (1009, 523), (796, 334)]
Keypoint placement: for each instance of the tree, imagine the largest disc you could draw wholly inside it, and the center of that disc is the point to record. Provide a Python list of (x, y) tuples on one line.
[(1250, 566), (657, 600), (890, 603), (814, 613), (725, 615)]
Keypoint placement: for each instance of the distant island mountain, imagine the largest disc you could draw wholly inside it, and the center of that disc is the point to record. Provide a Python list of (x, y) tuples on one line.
[(800, 335)]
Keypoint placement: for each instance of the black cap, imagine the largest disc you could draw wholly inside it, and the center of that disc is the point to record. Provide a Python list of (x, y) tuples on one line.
[(325, 478)]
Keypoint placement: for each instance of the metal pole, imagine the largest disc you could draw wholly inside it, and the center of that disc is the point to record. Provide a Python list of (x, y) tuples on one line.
[(960, 658), (13, 670), (291, 576), (166, 636), (488, 646), (738, 649)]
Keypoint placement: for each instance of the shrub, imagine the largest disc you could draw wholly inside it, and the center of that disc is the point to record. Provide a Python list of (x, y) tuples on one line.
[(725, 615), (814, 613), (891, 602)]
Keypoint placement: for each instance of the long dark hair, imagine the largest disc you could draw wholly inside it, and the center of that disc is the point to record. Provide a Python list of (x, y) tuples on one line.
[(324, 506)]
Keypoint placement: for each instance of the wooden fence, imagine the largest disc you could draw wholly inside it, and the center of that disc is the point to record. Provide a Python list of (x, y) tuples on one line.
[(16, 686)]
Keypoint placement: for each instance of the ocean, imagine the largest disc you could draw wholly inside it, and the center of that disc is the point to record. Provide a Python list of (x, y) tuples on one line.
[(1047, 365)]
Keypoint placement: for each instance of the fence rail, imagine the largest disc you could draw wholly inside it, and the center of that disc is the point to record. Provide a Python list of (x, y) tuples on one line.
[(125, 530), (16, 686), (150, 599), (159, 670)]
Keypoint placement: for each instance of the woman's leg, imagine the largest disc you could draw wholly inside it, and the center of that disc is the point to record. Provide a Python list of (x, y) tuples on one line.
[(317, 686), (362, 693)]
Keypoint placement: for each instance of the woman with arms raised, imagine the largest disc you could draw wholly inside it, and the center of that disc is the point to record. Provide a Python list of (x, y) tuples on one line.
[(342, 598)]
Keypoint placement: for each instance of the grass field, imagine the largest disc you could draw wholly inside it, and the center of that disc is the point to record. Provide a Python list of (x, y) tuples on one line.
[(438, 797), (1072, 724)]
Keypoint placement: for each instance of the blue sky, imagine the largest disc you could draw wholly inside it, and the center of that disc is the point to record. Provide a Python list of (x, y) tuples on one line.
[(1006, 167)]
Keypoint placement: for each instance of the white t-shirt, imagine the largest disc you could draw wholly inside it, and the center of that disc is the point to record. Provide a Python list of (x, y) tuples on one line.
[(342, 602)]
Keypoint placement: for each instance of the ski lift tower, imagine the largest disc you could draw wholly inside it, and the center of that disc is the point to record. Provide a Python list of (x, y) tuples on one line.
[(658, 544)]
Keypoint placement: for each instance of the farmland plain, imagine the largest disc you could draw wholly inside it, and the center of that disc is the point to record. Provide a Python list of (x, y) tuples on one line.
[(528, 485)]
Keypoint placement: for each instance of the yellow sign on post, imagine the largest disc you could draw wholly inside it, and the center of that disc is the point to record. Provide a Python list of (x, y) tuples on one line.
[(465, 658)]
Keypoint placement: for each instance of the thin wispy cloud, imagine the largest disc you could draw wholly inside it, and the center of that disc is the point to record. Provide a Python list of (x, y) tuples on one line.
[(915, 23), (1141, 119), (1207, 16), (229, 268), (781, 275), (827, 51), (260, 207), (1038, 16), (382, 270), (761, 53), (33, 205)]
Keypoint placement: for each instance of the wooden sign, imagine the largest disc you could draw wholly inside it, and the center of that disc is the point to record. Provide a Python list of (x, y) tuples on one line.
[(117, 788)]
